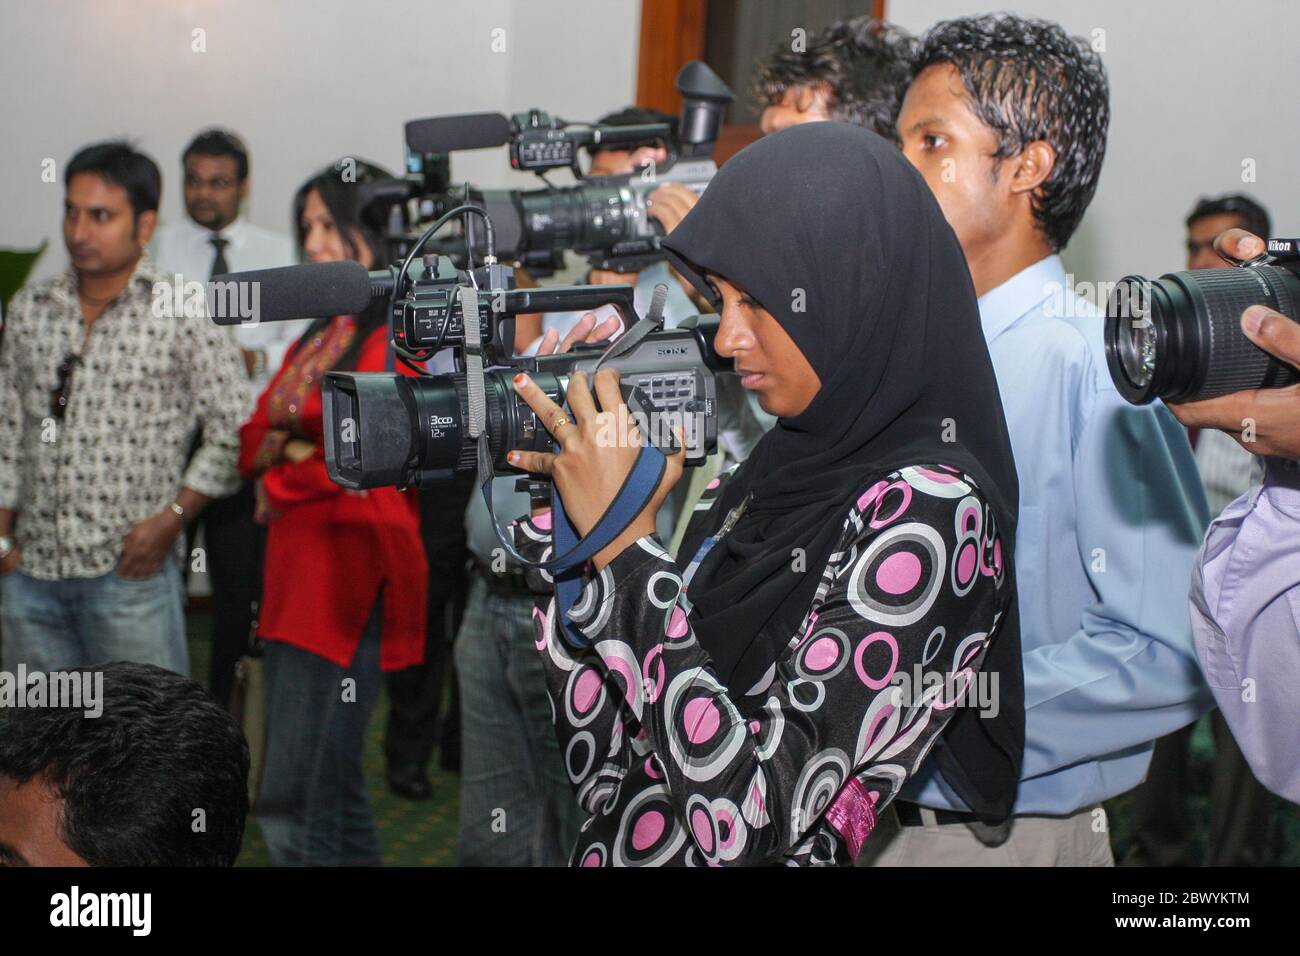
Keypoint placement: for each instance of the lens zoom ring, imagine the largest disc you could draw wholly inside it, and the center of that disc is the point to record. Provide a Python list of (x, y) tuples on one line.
[(1236, 362)]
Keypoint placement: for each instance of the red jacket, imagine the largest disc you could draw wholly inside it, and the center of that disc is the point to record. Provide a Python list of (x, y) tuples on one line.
[(330, 550)]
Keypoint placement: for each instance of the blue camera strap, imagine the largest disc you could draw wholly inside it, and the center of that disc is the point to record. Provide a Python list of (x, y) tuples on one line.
[(571, 551)]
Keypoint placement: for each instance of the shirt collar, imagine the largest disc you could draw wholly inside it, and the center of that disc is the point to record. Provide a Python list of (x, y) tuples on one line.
[(234, 233), (1029, 288), (146, 274)]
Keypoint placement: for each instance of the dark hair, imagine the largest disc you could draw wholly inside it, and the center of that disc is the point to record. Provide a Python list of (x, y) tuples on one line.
[(1254, 217), (1028, 80), (219, 142), (132, 778), (340, 187), (863, 63), (636, 116), (119, 163)]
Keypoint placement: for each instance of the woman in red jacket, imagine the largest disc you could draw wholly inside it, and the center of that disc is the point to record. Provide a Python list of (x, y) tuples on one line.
[(345, 579)]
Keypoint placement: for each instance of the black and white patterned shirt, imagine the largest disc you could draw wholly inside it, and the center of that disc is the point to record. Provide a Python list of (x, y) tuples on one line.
[(147, 380)]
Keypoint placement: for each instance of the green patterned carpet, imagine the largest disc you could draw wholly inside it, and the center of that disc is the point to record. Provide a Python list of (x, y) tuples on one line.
[(424, 834)]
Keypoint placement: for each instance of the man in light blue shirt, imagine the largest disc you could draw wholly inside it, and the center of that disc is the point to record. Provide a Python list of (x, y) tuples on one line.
[(1111, 508)]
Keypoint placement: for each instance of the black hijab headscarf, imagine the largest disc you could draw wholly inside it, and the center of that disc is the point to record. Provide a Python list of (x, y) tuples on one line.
[(835, 234)]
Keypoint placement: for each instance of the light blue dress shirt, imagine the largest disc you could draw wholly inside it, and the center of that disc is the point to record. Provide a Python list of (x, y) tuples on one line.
[(1112, 513)]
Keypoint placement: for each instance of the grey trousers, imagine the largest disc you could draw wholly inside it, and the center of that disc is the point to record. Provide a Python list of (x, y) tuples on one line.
[(1081, 839)]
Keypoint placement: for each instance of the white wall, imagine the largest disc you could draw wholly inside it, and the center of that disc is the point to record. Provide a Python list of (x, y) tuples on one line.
[(303, 81), (1182, 120)]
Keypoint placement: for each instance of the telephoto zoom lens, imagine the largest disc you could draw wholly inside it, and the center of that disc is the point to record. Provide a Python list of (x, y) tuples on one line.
[(1178, 338)]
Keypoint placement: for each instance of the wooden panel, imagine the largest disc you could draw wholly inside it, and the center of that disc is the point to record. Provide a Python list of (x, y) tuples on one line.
[(672, 34), (733, 138)]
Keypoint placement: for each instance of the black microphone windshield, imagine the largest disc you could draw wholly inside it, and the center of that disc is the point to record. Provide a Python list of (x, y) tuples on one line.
[(293, 292), (445, 134)]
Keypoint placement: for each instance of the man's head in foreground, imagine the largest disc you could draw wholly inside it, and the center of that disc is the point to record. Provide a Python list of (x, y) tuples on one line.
[(159, 779)]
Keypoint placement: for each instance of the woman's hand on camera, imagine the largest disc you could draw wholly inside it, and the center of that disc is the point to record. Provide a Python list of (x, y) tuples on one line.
[(597, 451), (586, 330)]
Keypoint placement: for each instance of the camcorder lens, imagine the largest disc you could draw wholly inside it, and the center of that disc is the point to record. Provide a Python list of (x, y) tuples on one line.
[(1179, 338), (385, 430)]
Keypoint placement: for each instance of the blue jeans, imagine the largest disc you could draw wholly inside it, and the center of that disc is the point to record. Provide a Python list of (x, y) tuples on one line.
[(313, 807), (76, 622), (517, 807)]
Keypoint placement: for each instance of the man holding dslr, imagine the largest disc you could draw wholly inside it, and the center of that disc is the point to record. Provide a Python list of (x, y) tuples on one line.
[(1246, 585)]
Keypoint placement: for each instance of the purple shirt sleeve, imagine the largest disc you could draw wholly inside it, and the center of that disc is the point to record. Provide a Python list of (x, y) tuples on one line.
[(1246, 621)]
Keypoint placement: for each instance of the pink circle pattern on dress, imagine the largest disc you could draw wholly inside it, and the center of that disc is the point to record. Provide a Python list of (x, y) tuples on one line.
[(701, 735)]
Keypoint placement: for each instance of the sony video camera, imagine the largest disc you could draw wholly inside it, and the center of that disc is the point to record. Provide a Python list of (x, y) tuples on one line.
[(1179, 338), (603, 217), (390, 429)]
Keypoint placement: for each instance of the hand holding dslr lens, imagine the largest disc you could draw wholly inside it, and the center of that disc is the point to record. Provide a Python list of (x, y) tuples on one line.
[(1265, 421)]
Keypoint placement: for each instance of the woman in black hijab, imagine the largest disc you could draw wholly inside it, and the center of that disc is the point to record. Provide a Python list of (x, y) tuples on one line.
[(848, 580)]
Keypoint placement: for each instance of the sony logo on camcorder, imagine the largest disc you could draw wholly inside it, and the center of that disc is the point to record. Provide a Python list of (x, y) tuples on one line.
[(671, 350)]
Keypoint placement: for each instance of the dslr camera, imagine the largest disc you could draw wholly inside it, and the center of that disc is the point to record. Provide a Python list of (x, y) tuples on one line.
[(1179, 338)]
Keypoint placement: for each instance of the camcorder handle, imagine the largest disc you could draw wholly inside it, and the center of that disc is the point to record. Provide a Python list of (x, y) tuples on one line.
[(572, 299)]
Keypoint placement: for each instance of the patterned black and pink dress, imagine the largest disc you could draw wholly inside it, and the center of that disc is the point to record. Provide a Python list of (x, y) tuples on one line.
[(671, 767)]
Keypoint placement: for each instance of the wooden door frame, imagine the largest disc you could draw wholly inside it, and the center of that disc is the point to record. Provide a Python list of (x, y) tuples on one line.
[(673, 34)]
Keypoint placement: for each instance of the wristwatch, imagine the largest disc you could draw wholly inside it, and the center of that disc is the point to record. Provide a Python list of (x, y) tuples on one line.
[(6, 546)]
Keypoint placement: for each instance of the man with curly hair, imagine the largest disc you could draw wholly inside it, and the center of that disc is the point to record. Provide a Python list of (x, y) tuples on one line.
[(854, 71)]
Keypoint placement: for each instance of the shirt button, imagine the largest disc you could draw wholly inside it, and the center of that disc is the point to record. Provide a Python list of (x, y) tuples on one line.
[(293, 409)]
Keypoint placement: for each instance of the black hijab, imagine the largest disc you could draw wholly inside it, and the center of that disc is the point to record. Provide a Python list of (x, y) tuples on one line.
[(835, 234)]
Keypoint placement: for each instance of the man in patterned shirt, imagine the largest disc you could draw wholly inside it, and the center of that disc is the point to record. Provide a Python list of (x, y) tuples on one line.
[(103, 382)]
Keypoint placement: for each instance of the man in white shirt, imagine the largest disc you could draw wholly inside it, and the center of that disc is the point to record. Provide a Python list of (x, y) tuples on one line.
[(214, 239)]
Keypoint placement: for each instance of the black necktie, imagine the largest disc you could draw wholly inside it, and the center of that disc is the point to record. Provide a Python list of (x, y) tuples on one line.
[(219, 266)]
